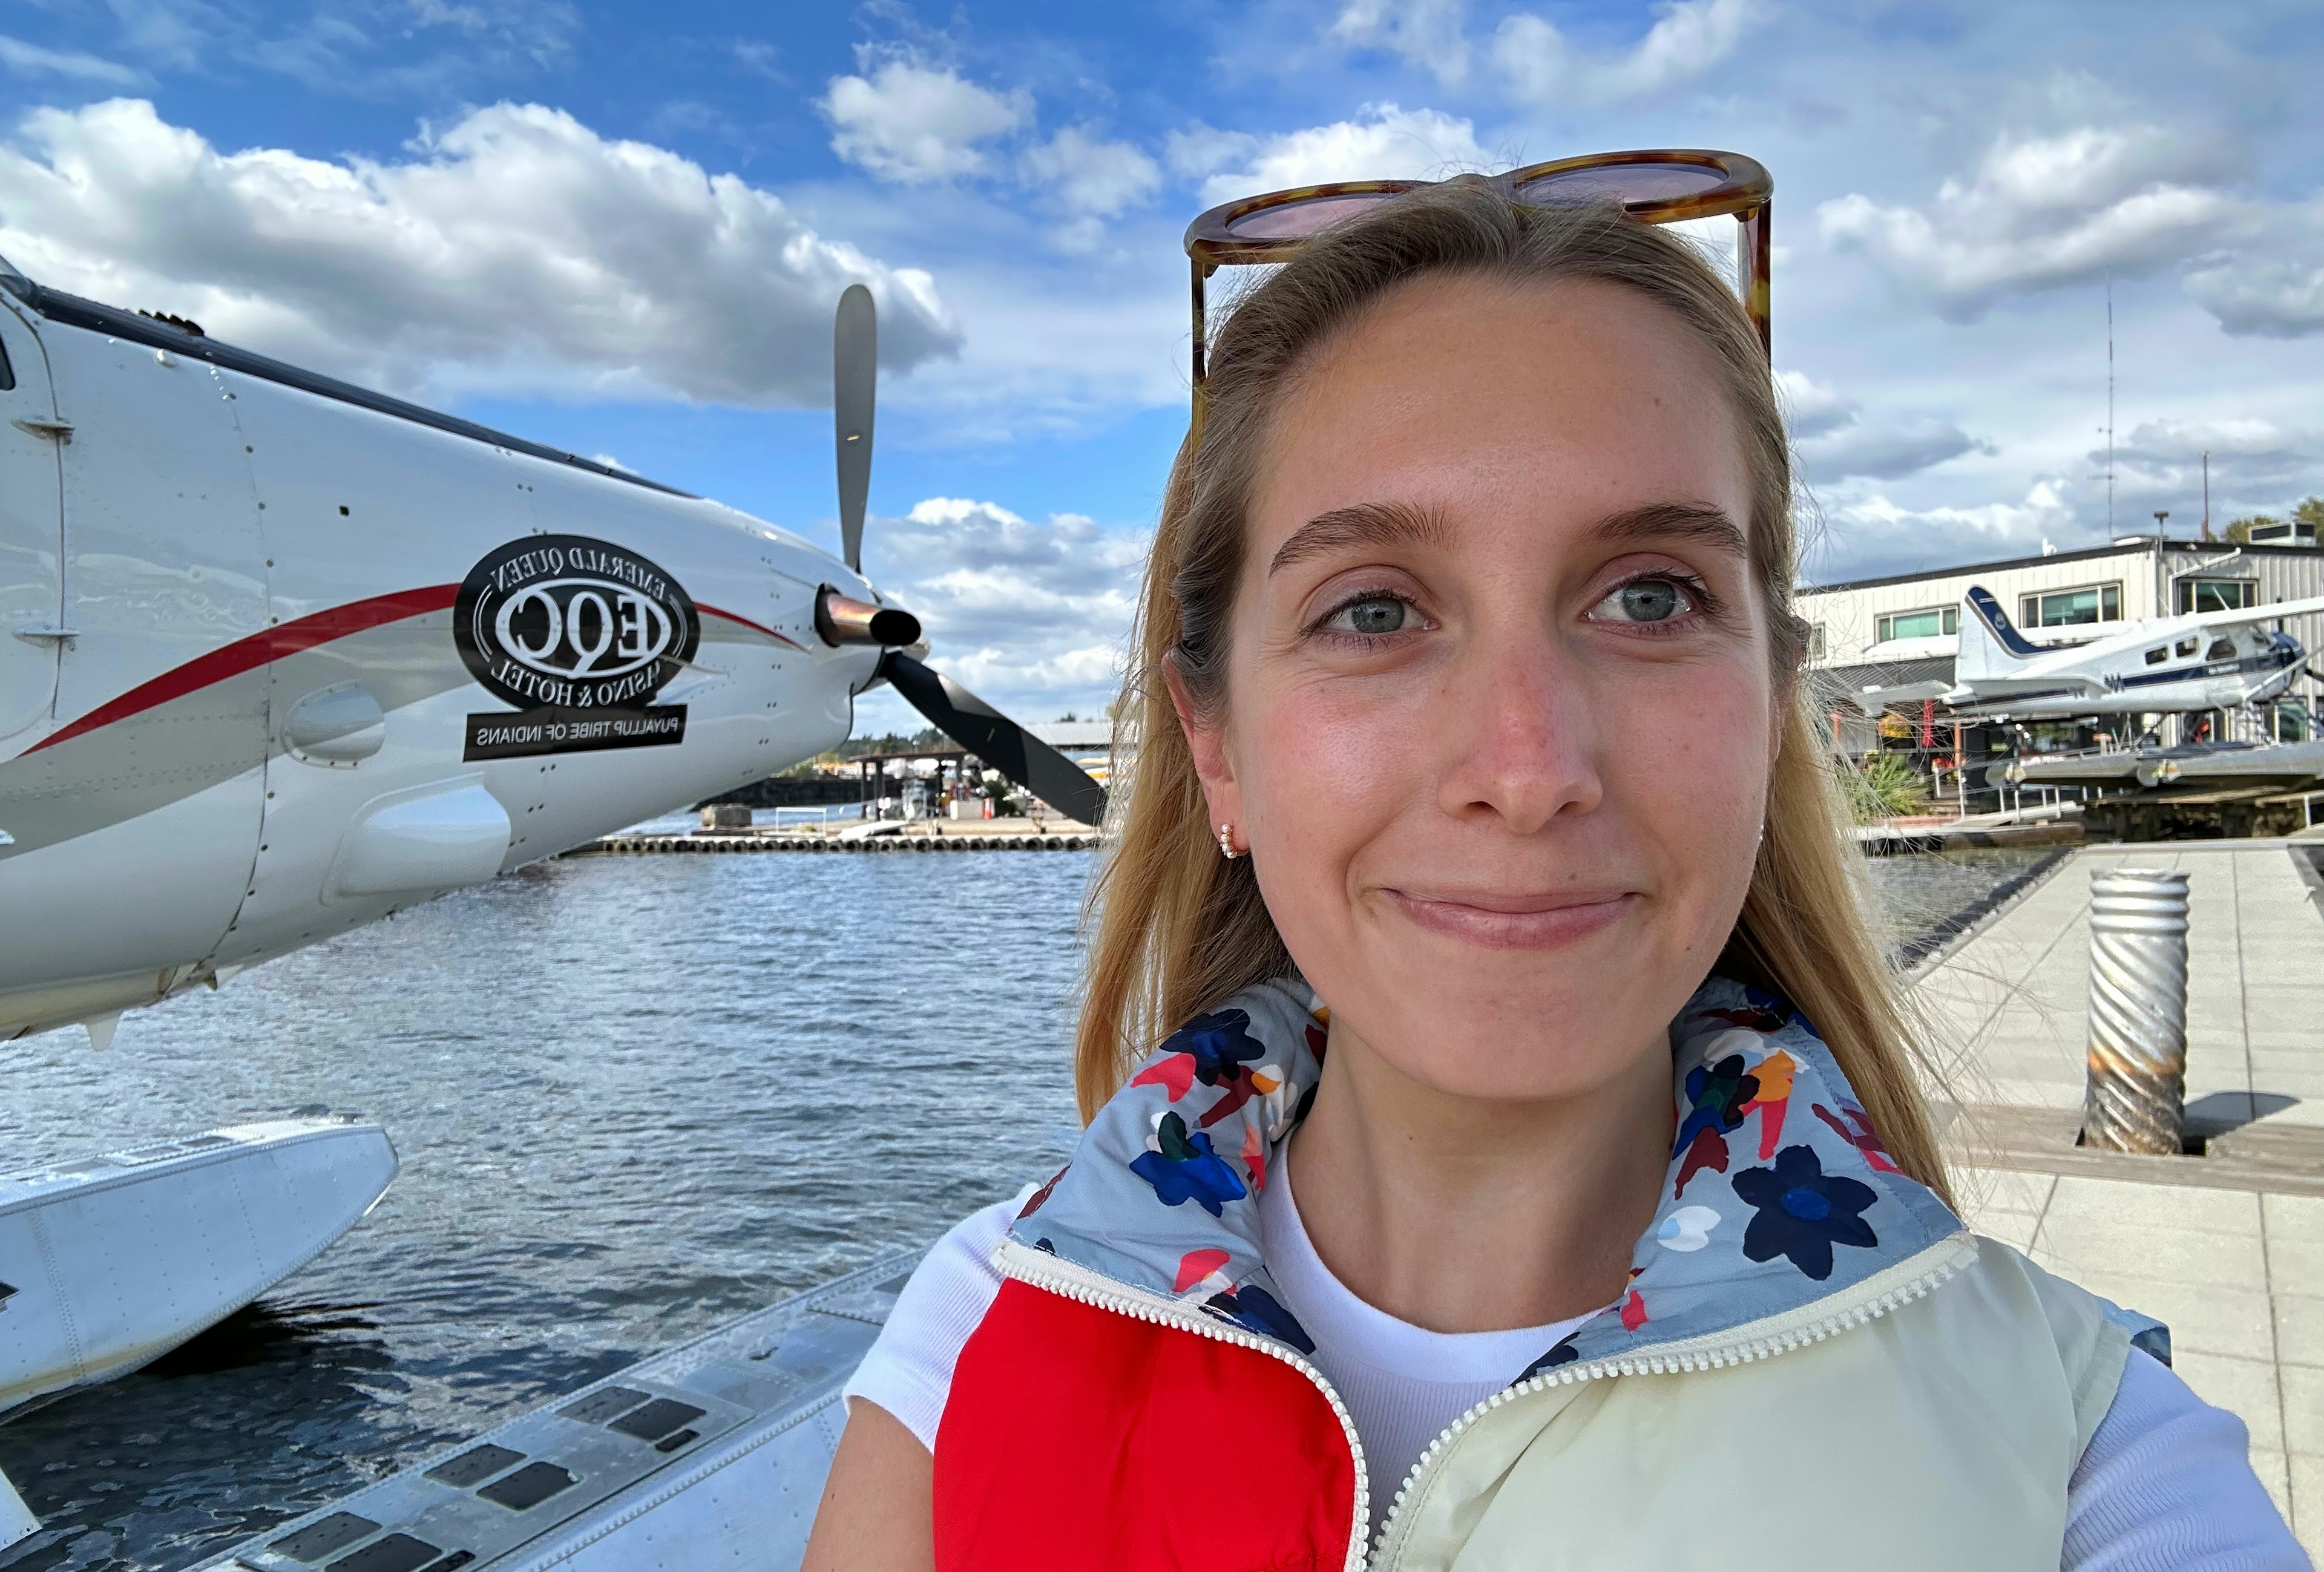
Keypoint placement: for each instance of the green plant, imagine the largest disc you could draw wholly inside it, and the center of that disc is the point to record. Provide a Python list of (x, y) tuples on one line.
[(1883, 786)]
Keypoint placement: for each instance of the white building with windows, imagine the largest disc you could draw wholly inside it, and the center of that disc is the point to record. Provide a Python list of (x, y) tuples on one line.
[(1905, 628)]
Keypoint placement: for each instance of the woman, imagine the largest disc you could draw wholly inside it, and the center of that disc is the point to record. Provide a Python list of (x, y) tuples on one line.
[(1480, 853)]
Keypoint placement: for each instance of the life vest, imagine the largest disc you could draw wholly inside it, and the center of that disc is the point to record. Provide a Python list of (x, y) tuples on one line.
[(1815, 1365)]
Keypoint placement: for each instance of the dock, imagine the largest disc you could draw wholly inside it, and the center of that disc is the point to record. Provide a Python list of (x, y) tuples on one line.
[(918, 835), (2225, 1244)]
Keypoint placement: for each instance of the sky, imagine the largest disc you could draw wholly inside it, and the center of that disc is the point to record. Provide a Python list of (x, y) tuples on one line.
[(621, 229)]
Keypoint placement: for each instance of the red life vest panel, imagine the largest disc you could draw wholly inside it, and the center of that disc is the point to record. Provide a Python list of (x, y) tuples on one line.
[(1081, 1437)]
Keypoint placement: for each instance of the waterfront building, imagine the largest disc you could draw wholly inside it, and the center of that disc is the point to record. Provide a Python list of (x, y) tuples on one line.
[(1904, 627)]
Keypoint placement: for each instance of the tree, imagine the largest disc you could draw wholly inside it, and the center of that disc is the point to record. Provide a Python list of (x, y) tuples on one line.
[(2310, 512), (2240, 530)]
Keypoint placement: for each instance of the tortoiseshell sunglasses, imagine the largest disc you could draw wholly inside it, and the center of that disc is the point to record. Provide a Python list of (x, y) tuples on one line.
[(1663, 186)]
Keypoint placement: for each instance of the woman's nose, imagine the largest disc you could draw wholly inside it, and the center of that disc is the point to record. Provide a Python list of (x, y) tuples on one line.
[(1516, 735)]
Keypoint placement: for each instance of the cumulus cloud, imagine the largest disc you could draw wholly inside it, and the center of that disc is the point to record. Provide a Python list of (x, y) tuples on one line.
[(1427, 33), (1538, 65), (1836, 440), (30, 59), (1089, 179), (515, 249), (911, 121), (2044, 212), (1869, 534), (1023, 613), (2271, 285), (2254, 463), (1382, 143)]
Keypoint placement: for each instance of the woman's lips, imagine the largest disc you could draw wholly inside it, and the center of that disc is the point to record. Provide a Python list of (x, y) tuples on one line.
[(1500, 920)]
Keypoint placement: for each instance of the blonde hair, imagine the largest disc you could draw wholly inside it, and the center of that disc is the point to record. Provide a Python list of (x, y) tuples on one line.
[(1177, 927)]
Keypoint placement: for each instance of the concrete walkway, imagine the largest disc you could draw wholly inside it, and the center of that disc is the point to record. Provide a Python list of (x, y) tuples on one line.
[(2237, 1274), (2014, 1002)]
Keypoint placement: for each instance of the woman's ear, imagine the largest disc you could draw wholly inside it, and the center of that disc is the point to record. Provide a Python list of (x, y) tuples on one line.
[(1207, 743)]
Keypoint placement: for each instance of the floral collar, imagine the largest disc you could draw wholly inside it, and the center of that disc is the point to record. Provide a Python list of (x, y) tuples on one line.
[(1778, 1193)]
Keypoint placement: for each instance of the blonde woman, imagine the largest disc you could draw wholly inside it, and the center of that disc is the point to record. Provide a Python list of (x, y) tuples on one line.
[(1501, 1149)]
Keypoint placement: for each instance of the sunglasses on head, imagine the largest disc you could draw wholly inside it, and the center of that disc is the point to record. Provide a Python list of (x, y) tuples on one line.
[(1666, 186)]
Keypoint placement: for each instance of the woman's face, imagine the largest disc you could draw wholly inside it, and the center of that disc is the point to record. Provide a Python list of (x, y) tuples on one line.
[(1500, 714)]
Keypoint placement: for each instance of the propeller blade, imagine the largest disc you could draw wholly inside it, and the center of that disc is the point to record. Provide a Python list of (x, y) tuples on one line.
[(996, 739), (854, 391)]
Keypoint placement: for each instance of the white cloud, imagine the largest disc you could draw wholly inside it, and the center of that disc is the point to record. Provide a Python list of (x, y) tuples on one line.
[(2255, 465), (1835, 440), (1427, 33), (2044, 212), (1089, 179), (516, 249), (1028, 615), (913, 123), (1868, 534), (1688, 37), (30, 59), (1199, 149), (1383, 142), (2272, 286)]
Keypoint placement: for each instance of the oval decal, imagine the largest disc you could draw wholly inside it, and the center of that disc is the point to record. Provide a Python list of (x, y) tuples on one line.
[(564, 621)]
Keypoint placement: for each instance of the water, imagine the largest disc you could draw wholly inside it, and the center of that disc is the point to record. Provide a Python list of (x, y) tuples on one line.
[(634, 1097)]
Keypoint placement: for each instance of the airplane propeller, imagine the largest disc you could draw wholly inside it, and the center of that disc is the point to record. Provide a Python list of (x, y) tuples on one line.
[(1019, 756)]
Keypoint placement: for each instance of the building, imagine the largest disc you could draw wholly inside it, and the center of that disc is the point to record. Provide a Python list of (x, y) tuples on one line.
[(1883, 632)]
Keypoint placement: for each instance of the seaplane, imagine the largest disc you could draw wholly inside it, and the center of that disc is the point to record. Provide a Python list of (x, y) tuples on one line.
[(2210, 660), (280, 656)]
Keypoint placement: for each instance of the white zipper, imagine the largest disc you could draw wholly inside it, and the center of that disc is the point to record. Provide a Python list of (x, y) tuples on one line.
[(1043, 1270), (1898, 1285), (1890, 1289)]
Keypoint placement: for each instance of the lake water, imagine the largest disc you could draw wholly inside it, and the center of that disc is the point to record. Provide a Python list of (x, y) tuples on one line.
[(634, 1097)]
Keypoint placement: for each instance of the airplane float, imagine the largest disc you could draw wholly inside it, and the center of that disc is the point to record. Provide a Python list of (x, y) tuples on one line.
[(279, 656), (2211, 660)]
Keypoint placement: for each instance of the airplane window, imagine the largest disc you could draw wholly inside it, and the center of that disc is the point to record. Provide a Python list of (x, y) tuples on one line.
[(2186, 647), (7, 372), (2220, 650), (2157, 656)]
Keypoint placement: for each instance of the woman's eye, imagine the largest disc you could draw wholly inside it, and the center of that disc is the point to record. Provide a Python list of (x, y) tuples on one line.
[(1372, 616), (1645, 601)]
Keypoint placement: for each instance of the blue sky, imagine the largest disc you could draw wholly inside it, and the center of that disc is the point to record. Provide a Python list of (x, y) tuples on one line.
[(621, 228)]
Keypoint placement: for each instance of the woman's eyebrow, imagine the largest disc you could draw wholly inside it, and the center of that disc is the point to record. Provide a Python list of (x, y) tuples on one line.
[(1361, 524), (1676, 522)]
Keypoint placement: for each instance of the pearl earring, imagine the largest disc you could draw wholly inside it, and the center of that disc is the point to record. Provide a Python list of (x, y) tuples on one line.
[(1226, 842)]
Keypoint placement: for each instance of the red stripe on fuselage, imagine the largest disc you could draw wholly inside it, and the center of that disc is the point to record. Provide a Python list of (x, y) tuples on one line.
[(288, 639), (248, 654), (745, 621)]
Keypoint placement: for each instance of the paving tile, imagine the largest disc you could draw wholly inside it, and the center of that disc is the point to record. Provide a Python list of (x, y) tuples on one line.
[(2302, 1386), (2246, 1388), (2271, 1468), (2188, 1257), (2127, 1209), (2003, 1189), (2202, 1320), (2299, 1328), (2307, 1513)]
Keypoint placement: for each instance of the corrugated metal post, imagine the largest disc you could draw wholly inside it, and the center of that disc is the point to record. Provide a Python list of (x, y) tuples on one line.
[(2138, 1011)]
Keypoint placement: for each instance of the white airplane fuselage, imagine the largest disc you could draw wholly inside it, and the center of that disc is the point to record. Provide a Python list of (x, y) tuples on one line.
[(2229, 667), (236, 715)]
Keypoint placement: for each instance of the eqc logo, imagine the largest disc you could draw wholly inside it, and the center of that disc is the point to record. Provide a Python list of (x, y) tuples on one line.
[(579, 634)]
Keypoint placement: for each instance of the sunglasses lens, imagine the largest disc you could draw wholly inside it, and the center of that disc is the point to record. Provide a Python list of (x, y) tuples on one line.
[(1298, 220), (1631, 184)]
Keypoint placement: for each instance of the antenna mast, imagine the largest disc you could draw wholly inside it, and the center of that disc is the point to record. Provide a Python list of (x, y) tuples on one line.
[(2109, 297)]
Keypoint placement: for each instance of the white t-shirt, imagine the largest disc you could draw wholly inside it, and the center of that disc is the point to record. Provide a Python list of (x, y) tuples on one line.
[(2165, 1486)]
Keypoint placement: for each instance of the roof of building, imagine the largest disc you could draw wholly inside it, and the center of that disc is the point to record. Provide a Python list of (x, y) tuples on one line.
[(1075, 733), (2125, 545)]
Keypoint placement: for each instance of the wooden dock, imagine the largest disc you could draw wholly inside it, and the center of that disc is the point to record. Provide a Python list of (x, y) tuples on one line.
[(726, 842)]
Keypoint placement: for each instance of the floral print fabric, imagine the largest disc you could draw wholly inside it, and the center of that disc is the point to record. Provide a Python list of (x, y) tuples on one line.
[(1763, 1210)]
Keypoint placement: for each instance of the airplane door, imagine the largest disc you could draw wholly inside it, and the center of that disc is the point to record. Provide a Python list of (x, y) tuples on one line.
[(31, 538), (153, 778)]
